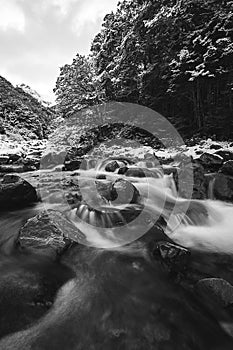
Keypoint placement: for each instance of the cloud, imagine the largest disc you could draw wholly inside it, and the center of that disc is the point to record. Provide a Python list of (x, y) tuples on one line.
[(38, 37), (11, 16), (91, 12)]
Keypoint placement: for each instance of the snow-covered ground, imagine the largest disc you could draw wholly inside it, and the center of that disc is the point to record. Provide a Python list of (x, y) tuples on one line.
[(132, 150)]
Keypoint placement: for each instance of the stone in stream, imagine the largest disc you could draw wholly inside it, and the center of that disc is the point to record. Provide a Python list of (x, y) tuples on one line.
[(15, 192), (49, 233), (140, 172), (191, 176), (4, 159), (227, 168), (112, 166), (223, 187), (225, 154), (175, 257), (211, 162), (215, 146), (217, 288)]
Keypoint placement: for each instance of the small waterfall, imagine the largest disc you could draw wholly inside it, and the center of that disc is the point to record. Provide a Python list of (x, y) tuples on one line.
[(203, 225)]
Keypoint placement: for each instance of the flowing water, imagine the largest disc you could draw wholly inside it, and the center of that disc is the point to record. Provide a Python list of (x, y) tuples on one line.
[(118, 297)]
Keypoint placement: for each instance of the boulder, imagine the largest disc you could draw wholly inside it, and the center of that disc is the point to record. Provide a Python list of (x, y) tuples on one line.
[(211, 162), (175, 257), (72, 165), (215, 146), (124, 192), (4, 159), (140, 172), (48, 232), (15, 192), (189, 178), (225, 154), (227, 168), (112, 166), (223, 187), (12, 168), (217, 288)]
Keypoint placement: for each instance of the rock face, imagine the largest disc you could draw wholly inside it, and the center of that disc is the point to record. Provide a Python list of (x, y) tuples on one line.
[(16, 192), (49, 232)]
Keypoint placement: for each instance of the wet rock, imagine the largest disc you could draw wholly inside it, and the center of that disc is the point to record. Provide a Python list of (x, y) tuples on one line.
[(15, 192), (225, 154), (119, 192), (217, 288), (140, 172), (49, 233), (191, 181), (14, 157), (8, 168), (52, 159), (175, 257), (227, 168), (223, 187), (124, 192), (112, 166), (72, 165), (215, 146), (211, 162), (4, 159)]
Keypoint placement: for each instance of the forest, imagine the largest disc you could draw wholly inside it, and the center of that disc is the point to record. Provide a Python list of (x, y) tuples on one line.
[(173, 56)]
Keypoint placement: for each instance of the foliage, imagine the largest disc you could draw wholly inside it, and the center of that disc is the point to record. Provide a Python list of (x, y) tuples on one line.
[(174, 56), (22, 113)]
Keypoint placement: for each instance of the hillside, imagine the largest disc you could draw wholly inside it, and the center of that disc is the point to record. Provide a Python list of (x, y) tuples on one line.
[(21, 113)]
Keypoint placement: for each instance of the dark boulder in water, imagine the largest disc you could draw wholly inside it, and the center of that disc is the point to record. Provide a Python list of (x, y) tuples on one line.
[(223, 187), (175, 257), (227, 168), (217, 288), (125, 193), (15, 192), (112, 166), (140, 172), (49, 233), (211, 162), (225, 154)]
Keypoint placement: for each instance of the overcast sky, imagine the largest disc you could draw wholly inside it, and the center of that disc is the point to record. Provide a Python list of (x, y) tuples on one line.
[(39, 36)]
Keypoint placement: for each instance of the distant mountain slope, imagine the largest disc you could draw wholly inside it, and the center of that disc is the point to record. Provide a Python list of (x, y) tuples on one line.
[(21, 113), (34, 94)]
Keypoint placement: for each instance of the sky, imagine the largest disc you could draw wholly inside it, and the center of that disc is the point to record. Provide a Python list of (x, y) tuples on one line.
[(37, 37)]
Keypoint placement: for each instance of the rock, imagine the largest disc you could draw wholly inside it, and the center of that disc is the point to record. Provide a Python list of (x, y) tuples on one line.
[(189, 178), (211, 162), (72, 165), (215, 146), (124, 192), (223, 187), (8, 168), (140, 172), (49, 233), (4, 159), (217, 288), (16, 192), (227, 168), (14, 157), (225, 154), (112, 166), (174, 256), (52, 159)]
